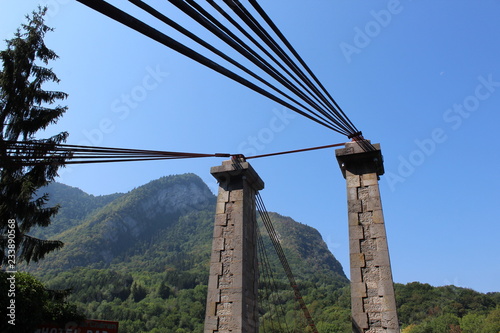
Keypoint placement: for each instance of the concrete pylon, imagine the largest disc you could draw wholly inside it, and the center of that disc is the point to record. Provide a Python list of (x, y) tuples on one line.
[(233, 281), (373, 304)]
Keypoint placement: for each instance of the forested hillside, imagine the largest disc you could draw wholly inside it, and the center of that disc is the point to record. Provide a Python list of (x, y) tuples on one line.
[(142, 258), (75, 206)]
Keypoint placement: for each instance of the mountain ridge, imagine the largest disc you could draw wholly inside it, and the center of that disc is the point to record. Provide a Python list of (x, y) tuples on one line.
[(77, 206), (142, 258), (155, 221)]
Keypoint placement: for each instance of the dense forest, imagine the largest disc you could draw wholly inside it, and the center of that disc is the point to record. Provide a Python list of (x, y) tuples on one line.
[(163, 302), (141, 258)]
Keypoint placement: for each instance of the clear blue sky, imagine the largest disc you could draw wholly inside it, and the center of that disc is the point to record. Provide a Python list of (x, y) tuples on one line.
[(422, 78)]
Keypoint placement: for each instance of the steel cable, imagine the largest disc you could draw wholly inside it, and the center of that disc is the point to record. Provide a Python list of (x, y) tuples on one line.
[(201, 16), (253, 24), (216, 28), (278, 32), (284, 262), (264, 50), (30, 153), (269, 276), (141, 27), (325, 116), (259, 46), (265, 279)]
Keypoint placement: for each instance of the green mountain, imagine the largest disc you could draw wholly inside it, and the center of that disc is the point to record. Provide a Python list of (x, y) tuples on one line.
[(163, 225), (141, 258), (75, 206), (153, 245)]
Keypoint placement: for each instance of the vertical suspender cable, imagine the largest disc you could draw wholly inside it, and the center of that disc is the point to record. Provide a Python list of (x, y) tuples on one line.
[(284, 262), (270, 285)]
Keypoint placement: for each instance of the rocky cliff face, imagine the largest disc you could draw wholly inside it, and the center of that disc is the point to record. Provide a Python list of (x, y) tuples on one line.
[(177, 197), (131, 218)]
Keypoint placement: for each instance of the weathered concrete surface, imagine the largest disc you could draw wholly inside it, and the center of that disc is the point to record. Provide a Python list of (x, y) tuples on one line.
[(233, 281), (373, 304)]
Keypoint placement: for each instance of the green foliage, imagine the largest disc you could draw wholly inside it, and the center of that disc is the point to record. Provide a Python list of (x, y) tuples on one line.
[(93, 284), (441, 324), (164, 291), (418, 301), (25, 109), (29, 296), (472, 323), (34, 304), (138, 292), (74, 207), (157, 279), (492, 321), (333, 319), (423, 308)]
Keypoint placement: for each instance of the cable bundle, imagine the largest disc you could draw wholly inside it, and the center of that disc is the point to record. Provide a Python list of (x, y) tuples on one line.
[(264, 215), (29, 153), (283, 75), (275, 313)]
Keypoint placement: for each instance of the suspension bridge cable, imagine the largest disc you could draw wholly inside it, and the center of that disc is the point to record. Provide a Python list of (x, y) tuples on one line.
[(201, 16), (214, 26), (271, 281), (275, 48), (282, 37), (284, 262), (295, 151), (259, 46), (141, 27), (30, 153), (245, 15), (130, 21), (276, 75), (264, 279), (255, 26)]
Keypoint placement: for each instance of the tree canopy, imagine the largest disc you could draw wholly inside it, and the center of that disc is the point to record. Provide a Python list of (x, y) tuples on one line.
[(25, 110)]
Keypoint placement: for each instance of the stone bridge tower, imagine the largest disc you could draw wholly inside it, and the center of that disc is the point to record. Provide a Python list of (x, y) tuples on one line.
[(233, 281), (373, 303)]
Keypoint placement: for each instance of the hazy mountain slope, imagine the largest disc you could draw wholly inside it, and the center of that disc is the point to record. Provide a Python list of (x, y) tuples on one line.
[(166, 225), (148, 251), (306, 251), (142, 258), (128, 221), (75, 207)]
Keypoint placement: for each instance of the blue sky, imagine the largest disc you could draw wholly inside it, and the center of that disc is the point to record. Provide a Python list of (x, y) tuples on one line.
[(420, 77)]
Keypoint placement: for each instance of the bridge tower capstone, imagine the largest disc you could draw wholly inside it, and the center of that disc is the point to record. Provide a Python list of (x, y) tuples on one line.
[(233, 280), (373, 304)]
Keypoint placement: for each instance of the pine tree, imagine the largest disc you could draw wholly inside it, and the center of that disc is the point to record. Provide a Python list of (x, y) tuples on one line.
[(138, 292), (164, 290), (25, 109)]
